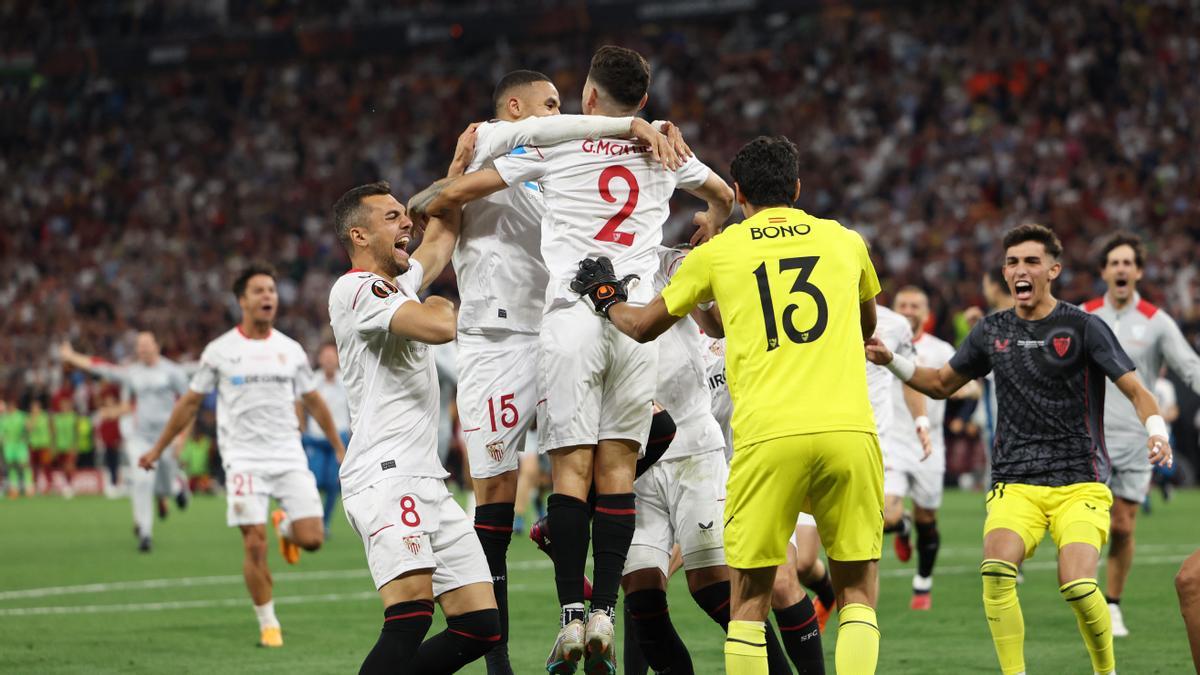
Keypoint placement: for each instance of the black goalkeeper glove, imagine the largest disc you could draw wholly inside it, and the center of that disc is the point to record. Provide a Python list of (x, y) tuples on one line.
[(597, 281)]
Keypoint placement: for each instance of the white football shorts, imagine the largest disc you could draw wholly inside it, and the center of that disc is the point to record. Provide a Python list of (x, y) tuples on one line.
[(597, 383), (680, 501), (497, 398), (248, 494), (408, 523)]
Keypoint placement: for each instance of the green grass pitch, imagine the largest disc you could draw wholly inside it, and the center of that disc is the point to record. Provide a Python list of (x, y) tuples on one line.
[(76, 597)]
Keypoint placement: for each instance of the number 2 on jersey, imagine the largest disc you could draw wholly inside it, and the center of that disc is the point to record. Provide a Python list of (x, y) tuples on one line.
[(610, 232), (805, 265)]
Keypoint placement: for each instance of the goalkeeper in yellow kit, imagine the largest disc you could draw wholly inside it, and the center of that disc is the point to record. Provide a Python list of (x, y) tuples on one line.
[(796, 295)]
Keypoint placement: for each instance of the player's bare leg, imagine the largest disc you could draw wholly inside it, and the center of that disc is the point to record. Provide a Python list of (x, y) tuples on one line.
[(1077, 564), (1187, 586), (813, 574), (897, 522), (855, 585), (258, 581), (1003, 551), (928, 543), (293, 535), (1120, 559), (529, 478), (494, 513), (799, 624), (749, 601)]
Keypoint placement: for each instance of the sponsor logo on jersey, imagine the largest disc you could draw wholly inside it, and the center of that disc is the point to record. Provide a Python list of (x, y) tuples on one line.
[(706, 527), (259, 379), (413, 544), (389, 464), (495, 450), (382, 288)]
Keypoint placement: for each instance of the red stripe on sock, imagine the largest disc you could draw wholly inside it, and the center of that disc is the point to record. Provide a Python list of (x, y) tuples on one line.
[(810, 620), (493, 528), (407, 616), (720, 607), (616, 512), (489, 638), (380, 530)]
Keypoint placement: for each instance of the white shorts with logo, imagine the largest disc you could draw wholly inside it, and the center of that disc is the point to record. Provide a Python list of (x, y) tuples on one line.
[(497, 398), (409, 523), (922, 481), (597, 383), (248, 493), (680, 501), (1131, 470)]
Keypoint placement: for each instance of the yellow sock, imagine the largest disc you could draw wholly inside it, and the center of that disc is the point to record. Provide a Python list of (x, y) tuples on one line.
[(857, 651), (1095, 625), (1003, 612), (746, 648)]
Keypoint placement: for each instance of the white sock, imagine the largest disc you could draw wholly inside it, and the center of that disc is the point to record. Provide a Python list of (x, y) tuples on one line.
[(922, 584), (266, 615), (285, 527)]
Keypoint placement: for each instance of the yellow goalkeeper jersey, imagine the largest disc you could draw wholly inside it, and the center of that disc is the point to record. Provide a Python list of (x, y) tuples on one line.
[(789, 286)]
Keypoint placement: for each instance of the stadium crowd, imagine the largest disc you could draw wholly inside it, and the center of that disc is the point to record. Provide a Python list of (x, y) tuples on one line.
[(130, 197)]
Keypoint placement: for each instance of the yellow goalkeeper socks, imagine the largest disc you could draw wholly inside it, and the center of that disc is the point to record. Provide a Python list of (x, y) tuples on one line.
[(746, 648), (1095, 625), (1003, 612), (857, 651)]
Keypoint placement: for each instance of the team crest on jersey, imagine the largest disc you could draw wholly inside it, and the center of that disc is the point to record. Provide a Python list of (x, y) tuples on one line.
[(413, 544), (1061, 345), (383, 289), (495, 450), (1000, 345)]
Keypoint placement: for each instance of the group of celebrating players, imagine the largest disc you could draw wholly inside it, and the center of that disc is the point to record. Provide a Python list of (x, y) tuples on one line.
[(713, 400)]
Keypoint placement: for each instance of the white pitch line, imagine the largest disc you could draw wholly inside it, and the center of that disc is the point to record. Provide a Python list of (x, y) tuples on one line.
[(1041, 565), (221, 580)]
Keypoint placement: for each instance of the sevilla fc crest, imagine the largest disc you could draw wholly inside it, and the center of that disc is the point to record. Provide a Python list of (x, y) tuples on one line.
[(495, 450), (413, 544), (1001, 345), (1062, 345)]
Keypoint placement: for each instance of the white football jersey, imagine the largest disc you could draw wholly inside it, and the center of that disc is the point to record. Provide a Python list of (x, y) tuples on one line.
[(682, 377), (391, 383), (257, 384), (603, 198), (893, 329), (498, 258), (932, 352), (334, 393), (718, 389)]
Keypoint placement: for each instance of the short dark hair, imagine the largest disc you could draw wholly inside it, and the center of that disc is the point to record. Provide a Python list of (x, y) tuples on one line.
[(622, 73), (252, 270), (766, 170), (345, 209), (996, 274), (1123, 239), (1034, 232), (517, 78)]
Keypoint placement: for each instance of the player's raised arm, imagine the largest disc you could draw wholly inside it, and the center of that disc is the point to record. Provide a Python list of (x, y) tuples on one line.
[(89, 364), (719, 197), (1179, 356), (437, 245)]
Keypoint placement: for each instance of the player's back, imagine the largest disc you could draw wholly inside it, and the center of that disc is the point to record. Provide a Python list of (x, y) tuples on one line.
[(789, 286), (497, 259), (603, 198)]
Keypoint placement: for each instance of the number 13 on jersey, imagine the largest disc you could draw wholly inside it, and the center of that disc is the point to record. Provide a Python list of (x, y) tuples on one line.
[(803, 266)]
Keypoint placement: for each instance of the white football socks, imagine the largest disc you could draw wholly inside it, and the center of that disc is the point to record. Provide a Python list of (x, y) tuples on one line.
[(266, 615)]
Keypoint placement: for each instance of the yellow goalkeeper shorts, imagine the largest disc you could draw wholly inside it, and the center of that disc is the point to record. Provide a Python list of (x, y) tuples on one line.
[(1073, 513), (836, 476)]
